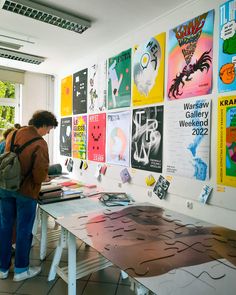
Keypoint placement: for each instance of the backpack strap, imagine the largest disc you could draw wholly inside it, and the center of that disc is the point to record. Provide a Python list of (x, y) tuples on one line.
[(12, 147), (18, 149)]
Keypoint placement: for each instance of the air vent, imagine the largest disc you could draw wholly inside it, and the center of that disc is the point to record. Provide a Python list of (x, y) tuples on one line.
[(14, 55), (47, 14), (10, 45)]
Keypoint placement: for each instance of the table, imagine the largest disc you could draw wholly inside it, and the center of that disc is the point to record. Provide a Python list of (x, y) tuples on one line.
[(167, 252), (74, 270), (60, 210)]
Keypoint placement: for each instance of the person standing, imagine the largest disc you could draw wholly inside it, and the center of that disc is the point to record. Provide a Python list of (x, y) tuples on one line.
[(5, 134), (20, 206)]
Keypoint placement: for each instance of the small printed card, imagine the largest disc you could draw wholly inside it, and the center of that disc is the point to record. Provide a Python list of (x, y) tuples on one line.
[(205, 193), (103, 169), (150, 180), (70, 164), (124, 175), (161, 187)]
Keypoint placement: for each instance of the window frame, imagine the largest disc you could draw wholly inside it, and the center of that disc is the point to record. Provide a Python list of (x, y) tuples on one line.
[(14, 102)]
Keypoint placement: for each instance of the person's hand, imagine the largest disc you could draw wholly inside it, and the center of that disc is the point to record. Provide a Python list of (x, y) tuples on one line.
[(47, 179)]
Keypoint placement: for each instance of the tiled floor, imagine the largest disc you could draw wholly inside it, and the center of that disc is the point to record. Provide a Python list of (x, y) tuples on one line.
[(104, 282)]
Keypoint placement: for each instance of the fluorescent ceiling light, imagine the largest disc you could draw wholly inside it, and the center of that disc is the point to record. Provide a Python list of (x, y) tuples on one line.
[(10, 36), (19, 56), (10, 45), (47, 14)]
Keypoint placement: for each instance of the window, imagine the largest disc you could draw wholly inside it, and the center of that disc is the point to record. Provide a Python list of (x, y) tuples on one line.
[(9, 104)]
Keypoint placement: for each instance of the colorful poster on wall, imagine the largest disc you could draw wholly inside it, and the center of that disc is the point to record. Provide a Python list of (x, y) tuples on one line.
[(118, 138), (227, 47), (190, 58), (97, 137), (226, 143), (79, 138), (80, 92), (65, 136), (97, 87), (187, 138), (119, 80), (148, 71), (147, 138), (66, 96)]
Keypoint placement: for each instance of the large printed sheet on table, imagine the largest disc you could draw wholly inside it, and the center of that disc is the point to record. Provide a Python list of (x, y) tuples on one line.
[(167, 252)]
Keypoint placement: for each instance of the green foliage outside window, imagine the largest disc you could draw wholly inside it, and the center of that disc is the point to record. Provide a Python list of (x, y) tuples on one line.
[(7, 116), (7, 90)]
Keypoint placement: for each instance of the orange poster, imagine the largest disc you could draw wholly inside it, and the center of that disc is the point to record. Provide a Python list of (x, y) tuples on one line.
[(66, 96)]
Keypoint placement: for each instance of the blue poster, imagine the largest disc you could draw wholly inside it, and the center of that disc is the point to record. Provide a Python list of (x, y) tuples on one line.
[(227, 47)]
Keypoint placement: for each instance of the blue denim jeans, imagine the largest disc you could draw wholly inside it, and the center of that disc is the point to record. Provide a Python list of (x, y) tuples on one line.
[(16, 209)]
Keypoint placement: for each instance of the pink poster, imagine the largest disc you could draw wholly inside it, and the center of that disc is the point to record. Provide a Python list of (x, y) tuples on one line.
[(97, 137), (190, 58)]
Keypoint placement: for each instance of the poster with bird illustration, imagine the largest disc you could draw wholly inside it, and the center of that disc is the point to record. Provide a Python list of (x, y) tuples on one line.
[(190, 58)]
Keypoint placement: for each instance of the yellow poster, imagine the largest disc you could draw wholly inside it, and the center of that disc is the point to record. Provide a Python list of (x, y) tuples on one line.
[(66, 96), (148, 71), (226, 143)]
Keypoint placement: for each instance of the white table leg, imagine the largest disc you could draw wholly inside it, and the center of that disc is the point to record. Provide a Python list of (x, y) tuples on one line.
[(44, 230), (124, 275), (57, 256), (71, 264)]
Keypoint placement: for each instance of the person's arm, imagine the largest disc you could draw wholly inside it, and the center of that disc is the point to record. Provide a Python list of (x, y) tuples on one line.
[(41, 163)]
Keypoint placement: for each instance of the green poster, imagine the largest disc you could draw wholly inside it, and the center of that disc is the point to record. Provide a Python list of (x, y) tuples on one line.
[(119, 83)]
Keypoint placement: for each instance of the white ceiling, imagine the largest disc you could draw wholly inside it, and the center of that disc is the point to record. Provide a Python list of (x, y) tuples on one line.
[(111, 19)]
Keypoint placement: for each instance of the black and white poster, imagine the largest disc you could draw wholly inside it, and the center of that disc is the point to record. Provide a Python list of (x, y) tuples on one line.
[(65, 136), (80, 92), (147, 138)]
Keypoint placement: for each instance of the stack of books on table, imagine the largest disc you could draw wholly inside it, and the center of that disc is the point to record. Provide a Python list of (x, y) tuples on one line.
[(51, 193)]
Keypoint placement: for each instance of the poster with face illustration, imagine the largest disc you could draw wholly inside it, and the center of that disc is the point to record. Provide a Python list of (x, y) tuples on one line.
[(147, 138), (97, 137), (97, 87), (190, 58), (148, 71), (118, 138), (79, 138), (65, 136), (227, 47), (80, 92), (66, 96), (119, 80)]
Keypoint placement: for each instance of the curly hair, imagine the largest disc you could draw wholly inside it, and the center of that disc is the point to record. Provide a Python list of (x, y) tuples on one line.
[(43, 118)]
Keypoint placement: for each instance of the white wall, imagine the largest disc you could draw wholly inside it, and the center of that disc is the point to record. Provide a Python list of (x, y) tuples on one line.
[(38, 94), (222, 206)]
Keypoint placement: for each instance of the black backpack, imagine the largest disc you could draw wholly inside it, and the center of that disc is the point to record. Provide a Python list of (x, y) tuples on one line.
[(10, 168)]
